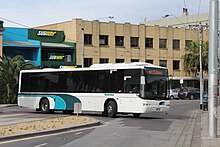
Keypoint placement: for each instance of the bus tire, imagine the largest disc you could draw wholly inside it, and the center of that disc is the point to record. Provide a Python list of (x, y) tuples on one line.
[(136, 115), (191, 97), (171, 97), (45, 105), (111, 109)]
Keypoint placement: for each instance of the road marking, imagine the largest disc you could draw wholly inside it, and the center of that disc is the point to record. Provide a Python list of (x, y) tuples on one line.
[(36, 137), (43, 144), (12, 115), (78, 133)]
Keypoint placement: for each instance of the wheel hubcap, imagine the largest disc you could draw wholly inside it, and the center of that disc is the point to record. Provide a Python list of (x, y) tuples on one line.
[(110, 109), (44, 107)]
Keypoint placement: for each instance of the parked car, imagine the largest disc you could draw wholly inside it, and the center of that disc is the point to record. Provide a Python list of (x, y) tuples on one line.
[(189, 93), (173, 94)]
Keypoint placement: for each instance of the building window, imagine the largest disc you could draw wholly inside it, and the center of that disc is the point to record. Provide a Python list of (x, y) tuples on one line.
[(68, 58), (176, 44), (150, 61), (163, 63), (176, 64), (134, 60), (187, 43), (87, 62), (119, 60), (163, 43), (88, 39), (103, 40), (103, 60), (134, 41), (149, 42), (119, 41)]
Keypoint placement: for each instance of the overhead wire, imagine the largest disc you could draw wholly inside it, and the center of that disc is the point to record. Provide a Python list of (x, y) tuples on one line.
[(14, 22), (198, 11), (186, 12)]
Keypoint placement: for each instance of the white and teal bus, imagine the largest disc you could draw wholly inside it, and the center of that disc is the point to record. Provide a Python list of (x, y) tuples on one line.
[(130, 88)]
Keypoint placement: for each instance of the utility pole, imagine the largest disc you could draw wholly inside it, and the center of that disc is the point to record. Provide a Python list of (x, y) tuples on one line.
[(200, 63), (213, 68), (82, 44)]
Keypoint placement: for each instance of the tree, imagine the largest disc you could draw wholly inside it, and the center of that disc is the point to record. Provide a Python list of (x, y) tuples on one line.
[(191, 57), (9, 73)]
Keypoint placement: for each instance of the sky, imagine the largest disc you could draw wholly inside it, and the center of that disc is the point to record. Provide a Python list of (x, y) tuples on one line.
[(32, 13)]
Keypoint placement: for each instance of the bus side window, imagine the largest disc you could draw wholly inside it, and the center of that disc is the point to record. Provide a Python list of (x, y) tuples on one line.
[(132, 81), (117, 81), (135, 89), (128, 88), (132, 88)]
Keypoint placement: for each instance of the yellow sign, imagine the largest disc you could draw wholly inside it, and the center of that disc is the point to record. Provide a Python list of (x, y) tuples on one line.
[(68, 66), (46, 33), (56, 57)]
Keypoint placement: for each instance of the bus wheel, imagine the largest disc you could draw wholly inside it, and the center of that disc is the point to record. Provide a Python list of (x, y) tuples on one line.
[(44, 106), (191, 97), (136, 115), (111, 109), (171, 97)]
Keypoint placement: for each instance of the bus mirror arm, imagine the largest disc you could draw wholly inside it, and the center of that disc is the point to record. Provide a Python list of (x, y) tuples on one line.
[(142, 89)]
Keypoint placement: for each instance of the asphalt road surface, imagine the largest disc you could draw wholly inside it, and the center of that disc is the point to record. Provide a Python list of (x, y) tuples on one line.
[(150, 130)]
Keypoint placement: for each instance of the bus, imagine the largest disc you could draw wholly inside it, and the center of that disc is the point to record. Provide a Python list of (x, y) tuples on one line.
[(109, 88)]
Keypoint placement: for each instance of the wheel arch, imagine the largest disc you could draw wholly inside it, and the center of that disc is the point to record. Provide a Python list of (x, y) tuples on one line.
[(51, 102)]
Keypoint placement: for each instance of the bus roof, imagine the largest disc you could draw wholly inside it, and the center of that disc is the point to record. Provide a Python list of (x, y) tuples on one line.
[(103, 66)]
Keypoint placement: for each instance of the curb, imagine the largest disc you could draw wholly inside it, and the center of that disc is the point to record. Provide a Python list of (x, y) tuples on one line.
[(186, 136), (7, 105), (32, 134)]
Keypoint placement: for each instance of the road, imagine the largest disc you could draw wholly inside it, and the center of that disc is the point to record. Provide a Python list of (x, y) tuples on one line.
[(153, 130)]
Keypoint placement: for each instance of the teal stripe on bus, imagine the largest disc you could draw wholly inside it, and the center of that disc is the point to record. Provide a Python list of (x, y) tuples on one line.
[(69, 100), (60, 104), (62, 101)]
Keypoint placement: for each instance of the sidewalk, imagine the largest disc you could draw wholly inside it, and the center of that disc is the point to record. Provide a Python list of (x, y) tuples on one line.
[(206, 141)]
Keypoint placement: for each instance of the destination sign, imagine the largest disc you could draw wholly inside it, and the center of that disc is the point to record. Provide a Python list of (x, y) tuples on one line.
[(156, 72)]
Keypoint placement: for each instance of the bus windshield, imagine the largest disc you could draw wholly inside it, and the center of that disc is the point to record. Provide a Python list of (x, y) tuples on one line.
[(156, 83)]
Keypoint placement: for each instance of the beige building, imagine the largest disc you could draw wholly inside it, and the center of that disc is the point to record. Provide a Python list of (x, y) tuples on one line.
[(114, 42)]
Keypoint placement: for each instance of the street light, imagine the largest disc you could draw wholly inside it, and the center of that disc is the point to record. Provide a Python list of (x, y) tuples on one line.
[(109, 17), (82, 28), (168, 15), (200, 65)]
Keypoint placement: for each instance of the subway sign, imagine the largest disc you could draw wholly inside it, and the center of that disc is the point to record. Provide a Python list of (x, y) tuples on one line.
[(54, 56), (52, 36), (46, 33)]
